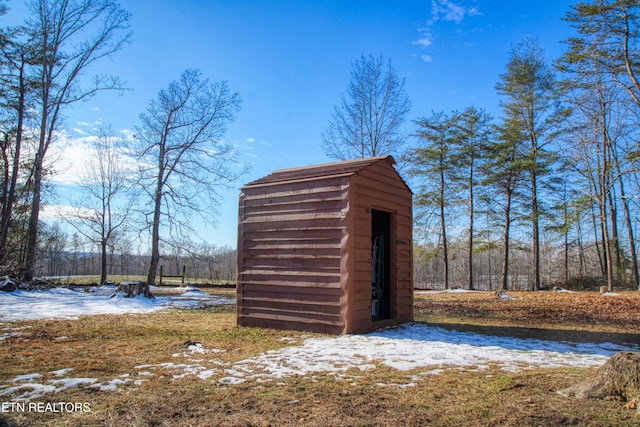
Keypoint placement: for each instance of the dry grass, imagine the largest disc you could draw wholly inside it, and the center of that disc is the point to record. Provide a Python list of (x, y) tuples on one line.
[(581, 310), (107, 347), (580, 317), (167, 280)]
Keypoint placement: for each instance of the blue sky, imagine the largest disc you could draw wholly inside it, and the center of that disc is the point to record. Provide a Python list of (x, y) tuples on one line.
[(290, 61)]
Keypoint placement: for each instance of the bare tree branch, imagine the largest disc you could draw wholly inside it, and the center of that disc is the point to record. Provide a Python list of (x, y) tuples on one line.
[(182, 132), (369, 118)]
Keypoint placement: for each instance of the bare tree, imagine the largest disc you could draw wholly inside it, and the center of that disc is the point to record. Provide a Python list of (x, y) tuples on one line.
[(106, 203), (15, 80), (599, 130), (606, 43), (185, 161), (369, 118), (52, 244), (68, 37), (606, 49)]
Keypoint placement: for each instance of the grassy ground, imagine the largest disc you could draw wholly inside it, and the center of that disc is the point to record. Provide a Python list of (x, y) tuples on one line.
[(169, 281), (108, 347)]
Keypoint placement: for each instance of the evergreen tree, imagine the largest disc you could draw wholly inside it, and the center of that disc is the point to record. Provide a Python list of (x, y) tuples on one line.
[(503, 175), (531, 103), (432, 163), (607, 42), (471, 132)]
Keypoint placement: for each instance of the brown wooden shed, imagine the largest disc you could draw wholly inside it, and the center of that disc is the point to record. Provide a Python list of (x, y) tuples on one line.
[(326, 248)]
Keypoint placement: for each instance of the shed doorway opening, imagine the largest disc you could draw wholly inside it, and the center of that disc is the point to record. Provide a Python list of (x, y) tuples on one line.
[(381, 265)]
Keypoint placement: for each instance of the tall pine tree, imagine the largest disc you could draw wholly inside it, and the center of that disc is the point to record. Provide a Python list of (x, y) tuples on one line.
[(531, 104), (431, 163)]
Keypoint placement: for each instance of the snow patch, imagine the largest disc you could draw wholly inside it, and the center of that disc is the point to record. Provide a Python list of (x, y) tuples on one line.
[(64, 303), (416, 346), (61, 372), (610, 294)]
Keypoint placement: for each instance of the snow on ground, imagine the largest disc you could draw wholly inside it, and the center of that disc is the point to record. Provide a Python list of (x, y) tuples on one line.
[(30, 386), (64, 303), (415, 347), (419, 348)]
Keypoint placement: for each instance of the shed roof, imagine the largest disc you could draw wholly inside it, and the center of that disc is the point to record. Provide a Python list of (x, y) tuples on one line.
[(326, 170)]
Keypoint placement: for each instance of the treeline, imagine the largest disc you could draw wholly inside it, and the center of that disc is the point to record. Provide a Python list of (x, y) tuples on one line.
[(142, 186), (62, 255), (41, 62), (548, 191)]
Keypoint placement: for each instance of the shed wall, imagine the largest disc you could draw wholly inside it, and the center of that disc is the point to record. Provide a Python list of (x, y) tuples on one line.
[(290, 255), (379, 187), (305, 252)]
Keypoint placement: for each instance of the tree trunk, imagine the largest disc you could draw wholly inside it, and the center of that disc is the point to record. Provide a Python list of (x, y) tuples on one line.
[(581, 253), (597, 243), (28, 268), (632, 244), (103, 261), (618, 377), (443, 222), (629, 225), (471, 229), (445, 250), (155, 228), (566, 247), (10, 196), (48, 118), (607, 245), (535, 230), (604, 180), (505, 256), (155, 249), (615, 240)]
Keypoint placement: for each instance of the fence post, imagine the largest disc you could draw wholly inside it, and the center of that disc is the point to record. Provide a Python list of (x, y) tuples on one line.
[(184, 270), (160, 275)]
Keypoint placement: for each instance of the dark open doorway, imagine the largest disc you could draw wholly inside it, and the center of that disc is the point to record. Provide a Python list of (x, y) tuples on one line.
[(381, 265)]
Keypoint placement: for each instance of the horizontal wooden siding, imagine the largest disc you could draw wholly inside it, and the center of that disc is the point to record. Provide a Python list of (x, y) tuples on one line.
[(380, 187), (289, 273)]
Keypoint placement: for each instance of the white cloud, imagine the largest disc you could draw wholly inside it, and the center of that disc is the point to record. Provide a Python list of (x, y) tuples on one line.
[(425, 40), (127, 134), (446, 11), (86, 125), (67, 158), (80, 131), (59, 212), (474, 12)]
